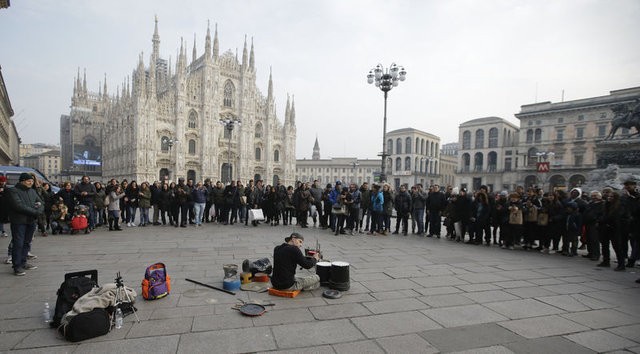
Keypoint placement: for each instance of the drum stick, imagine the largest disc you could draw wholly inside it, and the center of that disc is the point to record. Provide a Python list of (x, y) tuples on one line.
[(211, 287)]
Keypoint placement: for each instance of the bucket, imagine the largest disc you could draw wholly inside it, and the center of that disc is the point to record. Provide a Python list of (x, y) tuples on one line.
[(339, 278), (323, 270)]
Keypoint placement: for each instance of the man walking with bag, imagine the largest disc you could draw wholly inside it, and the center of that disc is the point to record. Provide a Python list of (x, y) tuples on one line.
[(24, 208)]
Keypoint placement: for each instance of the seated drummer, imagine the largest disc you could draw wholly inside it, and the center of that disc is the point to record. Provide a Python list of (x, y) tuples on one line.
[(286, 258)]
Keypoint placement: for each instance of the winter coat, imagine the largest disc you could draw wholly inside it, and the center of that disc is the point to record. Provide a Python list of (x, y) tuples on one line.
[(23, 204), (144, 200)]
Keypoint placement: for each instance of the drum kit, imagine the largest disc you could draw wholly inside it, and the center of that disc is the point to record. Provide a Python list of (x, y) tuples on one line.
[(335, 274)]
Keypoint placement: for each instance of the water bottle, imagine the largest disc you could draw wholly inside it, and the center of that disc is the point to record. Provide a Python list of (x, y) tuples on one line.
[(46, 313), (119, 318)]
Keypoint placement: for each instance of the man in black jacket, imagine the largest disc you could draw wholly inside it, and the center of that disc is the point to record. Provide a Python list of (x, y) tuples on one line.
[(24, 208), (286, 258)]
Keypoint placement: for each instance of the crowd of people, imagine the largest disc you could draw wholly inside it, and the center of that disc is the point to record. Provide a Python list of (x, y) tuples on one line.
[(549, 222)]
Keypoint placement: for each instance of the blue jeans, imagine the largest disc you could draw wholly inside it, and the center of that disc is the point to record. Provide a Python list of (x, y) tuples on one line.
[(132, 214), (418, 217), (199, 211), (21, 237), (144, 216)]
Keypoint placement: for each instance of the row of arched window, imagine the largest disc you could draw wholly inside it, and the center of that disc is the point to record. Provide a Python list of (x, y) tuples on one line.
[(422, 147), (479, 142), (478, 162)]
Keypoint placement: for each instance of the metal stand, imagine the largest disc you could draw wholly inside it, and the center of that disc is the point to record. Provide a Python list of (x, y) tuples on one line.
[(122, 297)]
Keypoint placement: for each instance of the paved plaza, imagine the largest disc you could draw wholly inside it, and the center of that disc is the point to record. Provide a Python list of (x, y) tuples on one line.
[(408, 295)]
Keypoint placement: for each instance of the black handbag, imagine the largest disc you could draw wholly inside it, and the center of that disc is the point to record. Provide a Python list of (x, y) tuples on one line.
[(94, 323)]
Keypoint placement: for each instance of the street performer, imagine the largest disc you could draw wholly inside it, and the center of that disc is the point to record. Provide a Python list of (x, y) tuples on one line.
[(286, 258)]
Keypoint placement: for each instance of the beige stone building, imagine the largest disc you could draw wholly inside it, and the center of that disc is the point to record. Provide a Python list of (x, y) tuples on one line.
[(567, 135), (344, 169), (49, 163), (9, 139), (488, 154), (166, 122), (448, 169), (413, 156)]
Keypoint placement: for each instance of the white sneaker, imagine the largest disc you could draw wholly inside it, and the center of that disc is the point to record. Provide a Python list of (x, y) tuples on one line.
[(9, 260), (4, 234), (31, 256)]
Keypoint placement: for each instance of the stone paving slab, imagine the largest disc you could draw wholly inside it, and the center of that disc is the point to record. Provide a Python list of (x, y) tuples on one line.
[(302, 335), (410, 343), (601, 341), (404, 290), (392, 324), (548, 345), (463, 315), (543, 326), (469, 337)]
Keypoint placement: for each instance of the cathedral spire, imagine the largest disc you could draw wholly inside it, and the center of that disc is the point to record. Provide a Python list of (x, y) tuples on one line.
[(140, 76), (270, 90), (207, 43), (287, 111), (156, 41), (84, 82), (216, 45), (152, 78), (105, 86), (316, 150), (252, 59), (194, 55), (292, 119), (245, 58)]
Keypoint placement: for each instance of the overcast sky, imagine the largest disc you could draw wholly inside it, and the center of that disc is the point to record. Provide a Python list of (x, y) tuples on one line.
[(464, 59)]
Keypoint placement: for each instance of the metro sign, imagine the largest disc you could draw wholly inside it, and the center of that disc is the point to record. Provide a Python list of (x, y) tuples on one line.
[(543, 166)]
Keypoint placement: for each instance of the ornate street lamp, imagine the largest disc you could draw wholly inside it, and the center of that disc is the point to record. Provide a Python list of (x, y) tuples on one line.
[(229, 123), (169, 143), (385, 80)]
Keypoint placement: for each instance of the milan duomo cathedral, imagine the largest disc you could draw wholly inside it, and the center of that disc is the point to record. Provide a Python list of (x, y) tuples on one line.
[(164, 124)]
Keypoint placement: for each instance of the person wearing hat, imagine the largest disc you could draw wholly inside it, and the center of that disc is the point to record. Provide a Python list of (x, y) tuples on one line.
[(24, 208), (286, 257)]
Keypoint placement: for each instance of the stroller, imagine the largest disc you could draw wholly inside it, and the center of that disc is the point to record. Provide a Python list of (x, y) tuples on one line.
[(79, 221)]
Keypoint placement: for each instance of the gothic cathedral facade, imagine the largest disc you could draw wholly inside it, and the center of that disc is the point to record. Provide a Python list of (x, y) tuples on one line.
[(167, 123)]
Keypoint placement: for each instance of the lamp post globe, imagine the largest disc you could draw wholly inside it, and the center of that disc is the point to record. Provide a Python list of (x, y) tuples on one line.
[(385, 79)]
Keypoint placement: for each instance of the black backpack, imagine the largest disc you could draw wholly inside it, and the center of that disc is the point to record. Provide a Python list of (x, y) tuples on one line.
[(74, 286)]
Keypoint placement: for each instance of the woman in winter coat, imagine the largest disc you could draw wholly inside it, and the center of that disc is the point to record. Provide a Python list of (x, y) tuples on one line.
[(98, 204), (387, 193), (47, 197), (164, 204), (480, 217), (114, 208), (144, 202), (124, 210), (132, 198), (174, 206)]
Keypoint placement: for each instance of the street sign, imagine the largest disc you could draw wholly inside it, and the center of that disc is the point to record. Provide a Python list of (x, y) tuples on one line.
[(543, 166)]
